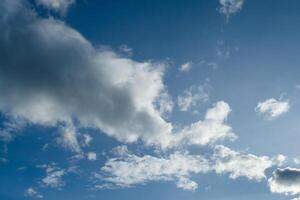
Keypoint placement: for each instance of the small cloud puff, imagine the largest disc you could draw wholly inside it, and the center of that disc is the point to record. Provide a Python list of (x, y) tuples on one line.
[(272, 108)]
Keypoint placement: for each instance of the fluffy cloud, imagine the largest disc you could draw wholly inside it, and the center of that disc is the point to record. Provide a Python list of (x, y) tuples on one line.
[(64, 77), (129, 169), (30, 192), (60, 6), (210, 130), (92, 156), (186, 67), (230, 7), (192, 97), (272, 108), (238, 164), (286, 180)]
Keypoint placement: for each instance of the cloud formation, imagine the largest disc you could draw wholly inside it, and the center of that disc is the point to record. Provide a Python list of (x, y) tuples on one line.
[(191, 97), (127, 169), (209, 130), (243, 165), (64, 77), (272, 108), (31, 192), (186, 67), (230, 7), (286, 181), (54, 176), (60, 6)]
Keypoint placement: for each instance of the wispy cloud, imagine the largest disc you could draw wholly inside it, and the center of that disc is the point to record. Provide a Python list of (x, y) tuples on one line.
[(191, 97), (186, 67), (230, 7), (31, 192)]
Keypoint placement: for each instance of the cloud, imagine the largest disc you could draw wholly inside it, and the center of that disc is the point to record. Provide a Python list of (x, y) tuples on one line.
[(87, 139), (230, 7), (54, 176), (286, 181), (92, 156), (68, 138), (209, 130), (30, 192), (272, 108), (186, 67), (64, 77), (60, 6), (129, 170), (192, 97), (242, 165)]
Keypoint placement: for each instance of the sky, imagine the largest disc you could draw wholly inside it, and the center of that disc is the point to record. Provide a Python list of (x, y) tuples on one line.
[(151, 99)]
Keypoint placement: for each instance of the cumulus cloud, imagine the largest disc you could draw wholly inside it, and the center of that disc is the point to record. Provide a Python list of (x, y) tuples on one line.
[(286, 181), (30, 192), (230, 7), (186, 67), (60, 6), (64, 77), (209, 130), (240, 164), (272, 108), (191, 97), (129, 169)]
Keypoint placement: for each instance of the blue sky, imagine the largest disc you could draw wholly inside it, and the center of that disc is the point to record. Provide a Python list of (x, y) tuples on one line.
[(132, 99)]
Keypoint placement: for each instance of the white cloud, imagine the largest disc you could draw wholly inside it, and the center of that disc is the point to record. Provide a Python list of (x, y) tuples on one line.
[(68, 138), (129, 170), (240, 164), (192, 97), (230, 7), (272, 108), (210, 130), (87, 139), (186, 67), (92, 156), (30, 192), (286, 181), (67, 78), (54, 176), (60, 6)]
